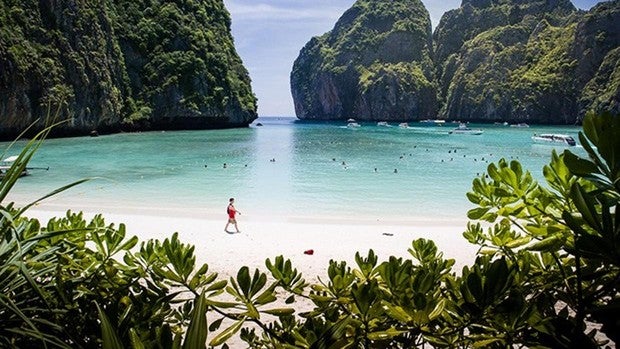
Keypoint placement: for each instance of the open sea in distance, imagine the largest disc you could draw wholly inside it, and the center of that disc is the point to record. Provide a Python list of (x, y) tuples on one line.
[(285, 168)]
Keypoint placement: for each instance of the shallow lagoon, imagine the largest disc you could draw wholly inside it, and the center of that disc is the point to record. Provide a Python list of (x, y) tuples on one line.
[(285, 167)]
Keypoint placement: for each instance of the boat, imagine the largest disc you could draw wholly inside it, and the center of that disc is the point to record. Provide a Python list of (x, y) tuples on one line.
[(383, 123), (463, 129), (403, 125), (436, 122), (521, 124), (353, 125), (551, 138), (351, 120), (6, 164)]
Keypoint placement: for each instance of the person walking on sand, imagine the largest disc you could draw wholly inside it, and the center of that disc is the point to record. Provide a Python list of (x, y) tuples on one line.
[(232, 211)]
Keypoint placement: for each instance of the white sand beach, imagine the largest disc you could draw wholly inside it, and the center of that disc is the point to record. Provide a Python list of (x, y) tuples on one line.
[(267, 237)]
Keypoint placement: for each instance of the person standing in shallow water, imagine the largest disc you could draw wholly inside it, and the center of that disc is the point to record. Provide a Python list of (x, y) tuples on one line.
[(232, 211)]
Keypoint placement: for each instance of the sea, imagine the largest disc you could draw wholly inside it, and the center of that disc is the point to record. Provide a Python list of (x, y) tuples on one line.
[(282, 167)]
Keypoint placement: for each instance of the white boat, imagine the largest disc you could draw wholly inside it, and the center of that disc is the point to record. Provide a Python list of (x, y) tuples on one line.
[(403, 125), (6, 164), (521, 124), (551, 138), (351, 120), (353, 125), (463, 129), (383, 123), (434, 121)]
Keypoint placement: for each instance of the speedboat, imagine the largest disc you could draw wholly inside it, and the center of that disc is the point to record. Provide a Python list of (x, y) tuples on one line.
[(353, 125), (463, 129), (550, 138), (521, 124), (6, 164), (403, 125), (383, 123), (433, 122)]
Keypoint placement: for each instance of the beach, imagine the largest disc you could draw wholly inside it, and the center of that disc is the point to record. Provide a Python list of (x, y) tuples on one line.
[(262, 237)]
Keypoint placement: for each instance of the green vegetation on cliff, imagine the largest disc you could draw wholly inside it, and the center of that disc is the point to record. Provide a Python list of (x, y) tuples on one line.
[(342, 73), (510, 60), (121, 65), (493, 60)]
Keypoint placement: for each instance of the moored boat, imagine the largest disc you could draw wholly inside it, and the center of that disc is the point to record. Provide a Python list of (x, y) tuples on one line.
[(463, 129), (353, 125), (521, 124), (435, 122), (6, 164), (553, 138), (403, 125), (383, 123)]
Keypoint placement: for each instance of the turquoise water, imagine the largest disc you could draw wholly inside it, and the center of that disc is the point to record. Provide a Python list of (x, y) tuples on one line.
[(320, 169)]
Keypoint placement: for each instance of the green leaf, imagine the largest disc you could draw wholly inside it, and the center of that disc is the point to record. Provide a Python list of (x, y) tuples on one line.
[(244, 281), (477, 212), (385, 335), (196, 335), (136, 343), (518, 242), (252, 312), (217, 286), (485, 343), (219, 304), (215, 325), (437, 310), (586, 205), (108, 333), (551, 243), (279, 311), (396, 312), (579, 166), (227, 333)]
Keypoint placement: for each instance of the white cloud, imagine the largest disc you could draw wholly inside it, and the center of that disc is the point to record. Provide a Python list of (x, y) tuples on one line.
[(261, 11)]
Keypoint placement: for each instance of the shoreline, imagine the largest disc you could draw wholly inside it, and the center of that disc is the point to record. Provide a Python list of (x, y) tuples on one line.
[(262, 237)]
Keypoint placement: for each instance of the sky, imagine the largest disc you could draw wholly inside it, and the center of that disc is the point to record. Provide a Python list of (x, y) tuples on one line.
[(269, 34)]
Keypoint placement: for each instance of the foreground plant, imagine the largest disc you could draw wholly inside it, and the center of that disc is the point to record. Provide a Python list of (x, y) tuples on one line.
[(547, 274)]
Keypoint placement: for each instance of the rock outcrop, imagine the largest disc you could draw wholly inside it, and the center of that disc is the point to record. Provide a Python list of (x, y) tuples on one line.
[(535, 61), (597, 51), (120, 65), (509, 62), (376, 64)]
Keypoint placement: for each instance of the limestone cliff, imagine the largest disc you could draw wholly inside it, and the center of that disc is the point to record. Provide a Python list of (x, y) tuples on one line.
[(597, 51), (510, 61), (120, 65), (536, 61), (376, 64)]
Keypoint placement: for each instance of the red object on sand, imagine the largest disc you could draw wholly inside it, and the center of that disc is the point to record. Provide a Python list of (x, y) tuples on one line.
[(309, 252)]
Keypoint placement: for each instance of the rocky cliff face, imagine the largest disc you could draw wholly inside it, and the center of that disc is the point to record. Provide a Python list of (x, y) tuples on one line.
[(376, 64), (120, 65), (511, 62), (596, 50), (537, 61)]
